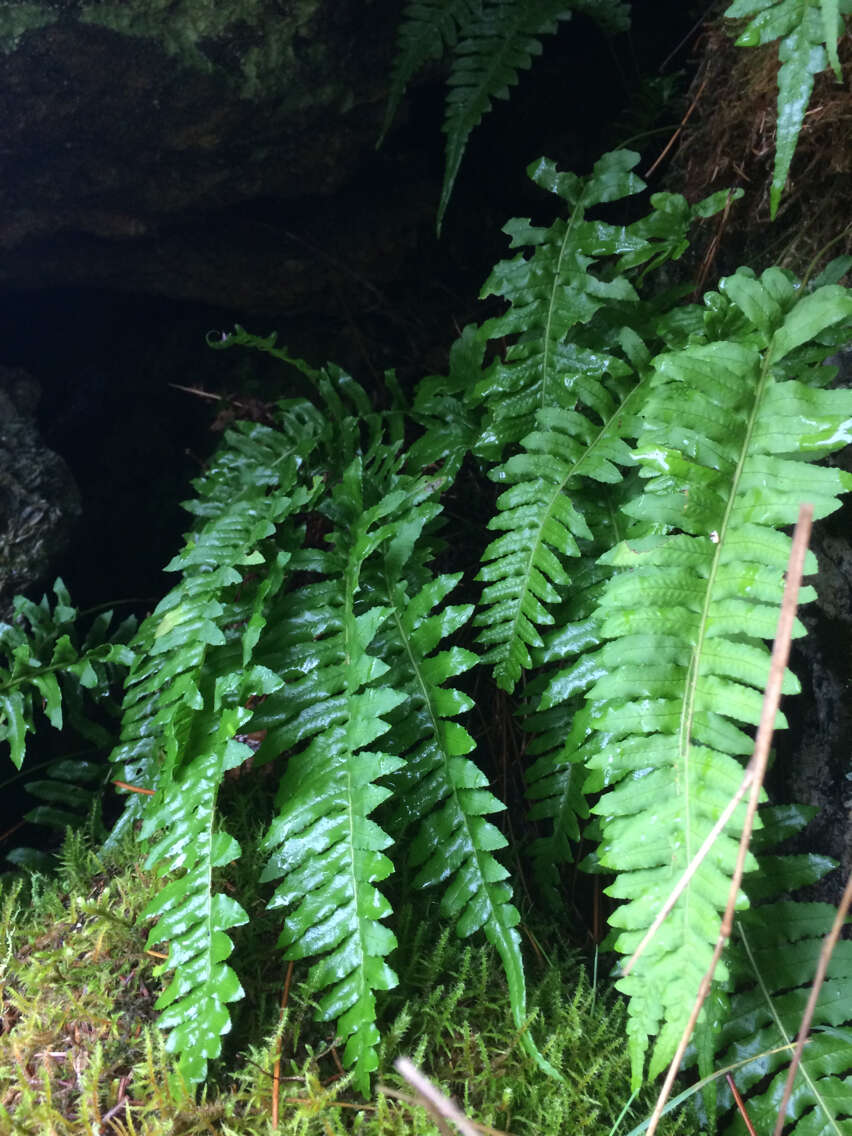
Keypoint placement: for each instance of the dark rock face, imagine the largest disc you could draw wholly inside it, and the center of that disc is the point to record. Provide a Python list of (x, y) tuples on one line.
[(132, 135), (39, 500), (813, 765)]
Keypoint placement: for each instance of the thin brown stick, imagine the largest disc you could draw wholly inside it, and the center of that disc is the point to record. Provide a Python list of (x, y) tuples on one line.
[(740, 1104), (197, 391), (432, 1098), (276, 1068), (822, 966), (676, 134), (134, 788), (758, 762), (416, 1102)]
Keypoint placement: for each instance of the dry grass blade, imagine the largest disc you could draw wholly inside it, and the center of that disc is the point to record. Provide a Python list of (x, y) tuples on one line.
[(276, 1068), (757, 766), (693, 867)]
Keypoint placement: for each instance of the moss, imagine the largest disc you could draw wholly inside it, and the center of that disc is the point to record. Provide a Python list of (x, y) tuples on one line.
[(79, 1053), (16, 19), (253, 39)]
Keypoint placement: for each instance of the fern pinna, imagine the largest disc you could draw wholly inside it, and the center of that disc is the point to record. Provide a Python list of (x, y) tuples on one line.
[(808, 31)]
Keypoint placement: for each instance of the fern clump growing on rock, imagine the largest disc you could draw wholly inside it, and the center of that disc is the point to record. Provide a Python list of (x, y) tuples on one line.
[(648, 455)]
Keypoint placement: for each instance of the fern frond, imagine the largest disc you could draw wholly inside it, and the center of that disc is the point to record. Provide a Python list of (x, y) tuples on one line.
[(252, 485), (573, 272), (557, 787), (724, 452), (551, 292), (808, 31), (773, 961), (500, 39), (440, 791), (191, 915), (524, 569), (187, 698), (491, 41), (427, 30), (451, 426), (47, 664), (322, 841), (576, 369)]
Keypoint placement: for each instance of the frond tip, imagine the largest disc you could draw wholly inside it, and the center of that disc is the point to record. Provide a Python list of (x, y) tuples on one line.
[(808, 32), (500, 40)]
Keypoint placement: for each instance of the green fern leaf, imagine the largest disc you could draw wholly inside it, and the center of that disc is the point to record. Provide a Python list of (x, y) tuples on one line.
[(250, 489), (442, 792), (491, 40), (323, 842), (47, 665), (574, 273), (187, 698), (773, 962), (805, 28), (723, 451), (557, 785), (427, 30), (524, 569), (832, 26), (555, 719), (576, 368), (551, 292), (500, 39), (190, 914)]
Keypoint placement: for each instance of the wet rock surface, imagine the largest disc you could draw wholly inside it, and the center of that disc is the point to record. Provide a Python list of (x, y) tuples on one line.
[(39, 499)]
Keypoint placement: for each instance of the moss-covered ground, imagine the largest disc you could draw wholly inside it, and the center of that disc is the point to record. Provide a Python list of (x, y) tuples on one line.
[(80, 1054)]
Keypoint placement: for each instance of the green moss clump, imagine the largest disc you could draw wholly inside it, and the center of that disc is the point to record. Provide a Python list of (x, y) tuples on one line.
[(190, 30), (79, 1052), (15, 19)]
